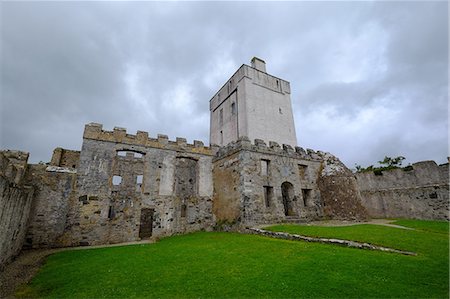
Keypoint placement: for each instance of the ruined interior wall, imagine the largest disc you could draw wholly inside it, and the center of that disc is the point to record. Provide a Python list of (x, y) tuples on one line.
[(65, 158), (15, 203), (152, 176), (421, 193), (54, 188), (227, 197), (341, 198)]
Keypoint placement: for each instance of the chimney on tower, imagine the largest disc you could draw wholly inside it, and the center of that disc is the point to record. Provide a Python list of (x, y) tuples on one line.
[(258, 64)]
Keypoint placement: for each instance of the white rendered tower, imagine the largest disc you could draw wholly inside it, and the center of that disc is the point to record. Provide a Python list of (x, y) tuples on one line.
[(255, 104)]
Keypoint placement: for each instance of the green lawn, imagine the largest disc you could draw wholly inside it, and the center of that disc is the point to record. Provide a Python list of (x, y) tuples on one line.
[(218, 265)]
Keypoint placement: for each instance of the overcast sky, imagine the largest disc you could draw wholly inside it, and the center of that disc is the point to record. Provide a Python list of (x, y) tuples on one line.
[(368, 79)]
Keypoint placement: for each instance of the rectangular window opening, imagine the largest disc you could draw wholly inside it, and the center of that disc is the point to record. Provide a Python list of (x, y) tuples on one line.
[(268, 194), (302, 170), (116, 180), (111, 213), (306, 194), (221, 117), (233, 108), (122, 153), (183, 210), (265, 167), (139, 179)]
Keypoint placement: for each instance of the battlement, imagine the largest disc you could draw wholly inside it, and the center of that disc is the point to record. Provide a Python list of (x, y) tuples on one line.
[(94, 131), (258, 77), (273, 148)]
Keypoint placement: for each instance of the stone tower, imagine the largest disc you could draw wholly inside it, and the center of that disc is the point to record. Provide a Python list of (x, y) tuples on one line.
[(254, 104)]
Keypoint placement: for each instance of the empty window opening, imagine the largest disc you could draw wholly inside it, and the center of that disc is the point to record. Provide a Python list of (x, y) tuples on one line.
[(221, 117), (139, 179), (233, 108), (221, 137), (183, 210), (116, 180), (306, 194), (279, 110), (111, 213), (268, 194), (123, 153), (265, 167), (302, 170), (278, 83)]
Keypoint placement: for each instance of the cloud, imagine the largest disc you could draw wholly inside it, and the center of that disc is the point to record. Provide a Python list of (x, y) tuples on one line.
[(368, 78)]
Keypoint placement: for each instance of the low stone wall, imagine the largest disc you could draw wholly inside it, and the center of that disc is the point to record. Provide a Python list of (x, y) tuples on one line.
[(421, 192), (340, 242), (15, 203)]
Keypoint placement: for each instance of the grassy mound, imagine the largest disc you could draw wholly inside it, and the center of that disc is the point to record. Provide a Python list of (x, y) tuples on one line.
[(224, 265)]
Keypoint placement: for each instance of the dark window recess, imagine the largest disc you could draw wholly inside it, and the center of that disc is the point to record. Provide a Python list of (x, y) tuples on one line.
[(433, 195), (306, 193), (302, 170), (83, 199), (111, 213), (268, 194), (183, 210), (265, 167), (93, 197), (233, 108)]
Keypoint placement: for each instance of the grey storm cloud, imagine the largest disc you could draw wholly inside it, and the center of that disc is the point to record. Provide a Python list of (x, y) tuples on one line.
[(369, 79)]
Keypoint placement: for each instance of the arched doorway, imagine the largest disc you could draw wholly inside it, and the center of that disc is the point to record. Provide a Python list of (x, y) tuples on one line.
[(287, 191)]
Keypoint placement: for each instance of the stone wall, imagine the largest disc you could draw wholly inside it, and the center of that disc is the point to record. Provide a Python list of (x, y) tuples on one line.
[(54, 192), (421, 192), (260, 183), (131, 186), (341, 198), (15, 203)]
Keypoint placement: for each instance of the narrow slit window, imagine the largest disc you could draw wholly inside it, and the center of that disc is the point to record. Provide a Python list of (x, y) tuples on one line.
[(111, 213), (233, 108), (221, 117), (183, 210), (268, 194)]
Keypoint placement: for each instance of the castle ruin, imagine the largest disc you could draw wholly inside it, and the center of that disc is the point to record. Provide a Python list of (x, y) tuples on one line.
[(122, 187)]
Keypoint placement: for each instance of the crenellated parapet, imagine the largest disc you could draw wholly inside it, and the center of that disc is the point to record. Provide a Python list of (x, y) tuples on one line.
[(273, 148), (95, 131)]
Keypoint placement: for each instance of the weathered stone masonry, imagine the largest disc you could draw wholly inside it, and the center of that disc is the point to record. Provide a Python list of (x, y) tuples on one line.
[(122, 187), (420, 191), (15, 203)]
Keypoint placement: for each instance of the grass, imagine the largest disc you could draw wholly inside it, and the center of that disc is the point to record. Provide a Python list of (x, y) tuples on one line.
[(224, 265)]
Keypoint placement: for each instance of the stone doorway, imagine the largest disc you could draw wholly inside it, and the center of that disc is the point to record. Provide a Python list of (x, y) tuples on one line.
[(146, 227), (287, 192)]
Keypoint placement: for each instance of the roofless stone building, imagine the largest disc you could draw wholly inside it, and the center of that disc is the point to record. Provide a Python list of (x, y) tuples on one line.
[(122, 187)]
